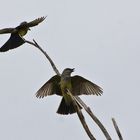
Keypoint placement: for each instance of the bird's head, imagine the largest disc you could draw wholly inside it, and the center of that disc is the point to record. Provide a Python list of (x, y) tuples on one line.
[(67, 71), (24, 23)]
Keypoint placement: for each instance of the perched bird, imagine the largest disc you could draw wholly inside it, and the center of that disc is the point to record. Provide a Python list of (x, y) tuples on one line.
[(16, 39), (59, 85)]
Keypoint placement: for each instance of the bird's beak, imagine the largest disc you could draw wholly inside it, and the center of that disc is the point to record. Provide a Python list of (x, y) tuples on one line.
[(73, 70)]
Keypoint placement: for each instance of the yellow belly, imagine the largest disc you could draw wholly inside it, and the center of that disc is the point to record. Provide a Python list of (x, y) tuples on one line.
[(64, 86), (22, 32)]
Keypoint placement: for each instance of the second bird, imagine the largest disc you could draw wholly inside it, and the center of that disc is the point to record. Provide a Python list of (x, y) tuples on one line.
[(60, 85), (16, 39)]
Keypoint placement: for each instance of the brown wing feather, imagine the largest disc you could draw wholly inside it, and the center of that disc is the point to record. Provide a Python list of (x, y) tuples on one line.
[(35, 22), (82, 86), (7, 30), (50, 87)]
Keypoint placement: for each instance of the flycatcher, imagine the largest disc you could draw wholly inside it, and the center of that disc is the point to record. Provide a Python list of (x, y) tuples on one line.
[(16, 39), (59, 85)]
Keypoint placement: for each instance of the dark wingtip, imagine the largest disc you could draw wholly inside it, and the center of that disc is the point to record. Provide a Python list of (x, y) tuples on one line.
[(3, 49)]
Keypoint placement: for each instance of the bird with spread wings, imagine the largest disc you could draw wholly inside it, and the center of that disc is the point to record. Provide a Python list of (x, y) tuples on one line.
[(16, 39)]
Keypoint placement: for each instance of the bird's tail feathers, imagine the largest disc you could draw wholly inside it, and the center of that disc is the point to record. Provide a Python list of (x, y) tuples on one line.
[(66, 109)]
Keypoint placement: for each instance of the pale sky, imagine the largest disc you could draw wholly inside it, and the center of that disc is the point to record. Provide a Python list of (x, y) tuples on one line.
[(100, 39)]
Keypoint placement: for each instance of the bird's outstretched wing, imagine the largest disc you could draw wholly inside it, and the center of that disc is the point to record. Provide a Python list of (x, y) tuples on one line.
[(32, 23), (82, 86), (50, 87), (35, 22), (6, 30), (13, 42)]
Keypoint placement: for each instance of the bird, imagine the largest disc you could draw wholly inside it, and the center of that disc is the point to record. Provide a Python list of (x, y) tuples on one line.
[(60, 85), (16, 38)]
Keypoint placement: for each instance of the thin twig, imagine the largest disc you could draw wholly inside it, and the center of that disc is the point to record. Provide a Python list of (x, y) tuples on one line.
[(96, 120), (117, 129)]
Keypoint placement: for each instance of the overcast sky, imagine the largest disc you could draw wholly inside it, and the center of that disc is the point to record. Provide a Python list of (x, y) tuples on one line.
[(100, 39)]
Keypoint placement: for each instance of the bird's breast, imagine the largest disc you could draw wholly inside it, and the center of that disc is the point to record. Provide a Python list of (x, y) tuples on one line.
[(22, 32), (65, 84)]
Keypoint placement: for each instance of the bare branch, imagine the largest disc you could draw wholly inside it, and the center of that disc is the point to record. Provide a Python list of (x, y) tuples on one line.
[(117, 129)]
